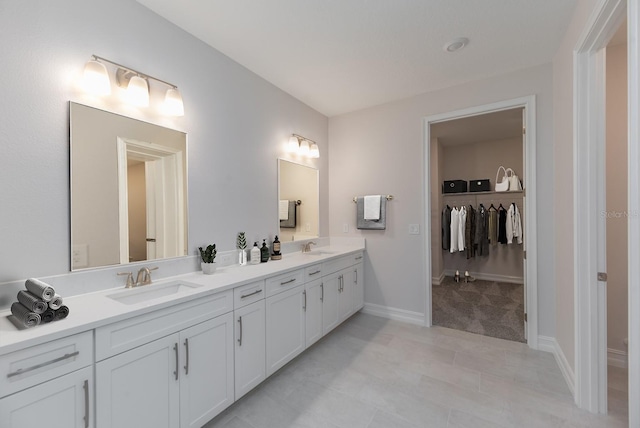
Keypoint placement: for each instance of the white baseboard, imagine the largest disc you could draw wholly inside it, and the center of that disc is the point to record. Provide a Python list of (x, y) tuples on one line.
[(549, 344), (394, 313), (438, 280), (488, 277), (617, 358)]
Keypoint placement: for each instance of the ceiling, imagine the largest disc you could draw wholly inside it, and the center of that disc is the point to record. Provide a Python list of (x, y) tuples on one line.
[(339, 56)]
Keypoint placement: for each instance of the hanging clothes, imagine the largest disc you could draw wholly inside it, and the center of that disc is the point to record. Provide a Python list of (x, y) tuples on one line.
[(446, 227), (502, 225), (482, 231), (461, 227), (455, 219), (493, 225), (513, 224), (470, 230)]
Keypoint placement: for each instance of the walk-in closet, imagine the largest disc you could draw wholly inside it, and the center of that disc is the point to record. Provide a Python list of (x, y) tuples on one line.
[(478, 279)]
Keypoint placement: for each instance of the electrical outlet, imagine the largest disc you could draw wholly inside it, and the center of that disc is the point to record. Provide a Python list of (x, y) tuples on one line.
[(414, 229), (307, 227), (345, 228), (225, 259), (80, 256)]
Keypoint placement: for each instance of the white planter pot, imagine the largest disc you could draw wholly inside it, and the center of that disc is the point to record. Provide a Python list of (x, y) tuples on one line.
[(208, 268)]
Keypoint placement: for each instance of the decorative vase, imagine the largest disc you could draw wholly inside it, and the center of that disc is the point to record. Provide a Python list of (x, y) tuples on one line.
[(208, 268), (242, 257)]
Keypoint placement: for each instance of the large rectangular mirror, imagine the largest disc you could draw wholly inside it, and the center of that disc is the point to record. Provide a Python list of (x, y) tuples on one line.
[(298, 201), (128, 189)]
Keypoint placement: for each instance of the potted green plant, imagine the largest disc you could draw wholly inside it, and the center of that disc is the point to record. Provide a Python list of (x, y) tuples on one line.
[(207, 257)]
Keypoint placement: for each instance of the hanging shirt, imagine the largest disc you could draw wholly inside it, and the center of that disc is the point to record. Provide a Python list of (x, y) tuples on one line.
[(455, 219), (482, 231), (470, 230), (461, 227), (502, 226), (446, 227), (493, 226), (513, 226)]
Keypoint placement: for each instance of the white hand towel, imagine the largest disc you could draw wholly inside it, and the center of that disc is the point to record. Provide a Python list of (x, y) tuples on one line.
[(372, 207), (283, 208)]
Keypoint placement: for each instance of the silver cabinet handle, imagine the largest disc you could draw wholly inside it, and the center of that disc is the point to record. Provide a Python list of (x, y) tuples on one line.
[(359, 258), (186, 366), (322, 292), (251, 294), (314, 273), (356, 272), (305, 300), (175, 348), (85, 386), (39, 366), (341, 283), (288, 282), (240, 338)]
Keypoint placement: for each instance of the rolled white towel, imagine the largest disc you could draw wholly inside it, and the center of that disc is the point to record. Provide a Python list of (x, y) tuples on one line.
[(24, 315), (32, 302), (40, 289), (56, 302)]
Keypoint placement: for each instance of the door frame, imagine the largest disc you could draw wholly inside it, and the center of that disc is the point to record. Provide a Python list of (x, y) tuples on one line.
[(530, 226), (589, 258)]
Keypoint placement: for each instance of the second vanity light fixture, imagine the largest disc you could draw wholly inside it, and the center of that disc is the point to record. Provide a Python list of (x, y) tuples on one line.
[(97, 82), (303, 146)]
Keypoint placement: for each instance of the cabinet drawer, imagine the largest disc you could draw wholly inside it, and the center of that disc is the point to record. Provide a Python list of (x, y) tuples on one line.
[(127, 334), (313, 272), (335, 265), (248, 293), (277, 284), (40, 363)]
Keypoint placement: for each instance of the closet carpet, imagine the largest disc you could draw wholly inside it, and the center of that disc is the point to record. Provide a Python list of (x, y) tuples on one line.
[(489, 308)]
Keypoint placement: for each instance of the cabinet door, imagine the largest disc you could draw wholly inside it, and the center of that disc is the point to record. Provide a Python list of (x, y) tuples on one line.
[(313, 311), (345, 294), (139, 388), (249, 347), (331, 292), (206, 364), (64, 402), (285, 327), (358, 287)]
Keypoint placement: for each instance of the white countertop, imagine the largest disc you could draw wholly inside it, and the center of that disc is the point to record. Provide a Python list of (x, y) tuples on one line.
[(92, 310)]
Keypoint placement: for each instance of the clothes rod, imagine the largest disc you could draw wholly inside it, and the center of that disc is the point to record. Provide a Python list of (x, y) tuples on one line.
[(388, 198)]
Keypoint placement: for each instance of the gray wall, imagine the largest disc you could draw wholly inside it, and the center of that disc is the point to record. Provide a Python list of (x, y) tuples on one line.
[(237, 124), (380, 150)]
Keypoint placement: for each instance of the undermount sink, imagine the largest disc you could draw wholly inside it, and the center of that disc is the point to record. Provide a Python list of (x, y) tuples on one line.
[(319, 253), (145, 293)]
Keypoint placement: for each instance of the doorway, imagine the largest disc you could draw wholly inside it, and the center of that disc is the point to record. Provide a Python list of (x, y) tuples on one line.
[(433, 204)]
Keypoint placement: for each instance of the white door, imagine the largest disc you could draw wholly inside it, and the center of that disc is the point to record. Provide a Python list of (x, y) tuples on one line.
[(250, 366), (331, 286), (139, 388), (285, 327), (313, 311), (206, 370), (65, 402), (524, 210)]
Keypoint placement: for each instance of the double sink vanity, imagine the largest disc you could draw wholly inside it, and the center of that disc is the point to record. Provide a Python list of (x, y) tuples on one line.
[(177, 352)]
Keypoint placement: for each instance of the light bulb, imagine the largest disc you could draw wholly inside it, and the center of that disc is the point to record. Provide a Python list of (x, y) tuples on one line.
[(138, 92), (96, 79), (173, 102), (304, 148), (293, 146), (313, 151)]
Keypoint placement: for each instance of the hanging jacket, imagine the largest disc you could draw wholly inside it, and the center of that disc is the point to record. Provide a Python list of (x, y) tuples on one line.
[(513, 226), (461, 227), (482, 231), (446, 227), (502, 226), (493, 226), (455, 219), (470, 230)]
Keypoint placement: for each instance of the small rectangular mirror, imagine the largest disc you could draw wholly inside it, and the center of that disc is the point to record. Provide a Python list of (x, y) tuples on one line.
[(128, 189), (298, 197)]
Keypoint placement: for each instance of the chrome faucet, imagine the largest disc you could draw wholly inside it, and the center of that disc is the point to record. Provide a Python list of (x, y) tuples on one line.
[(306, 248)]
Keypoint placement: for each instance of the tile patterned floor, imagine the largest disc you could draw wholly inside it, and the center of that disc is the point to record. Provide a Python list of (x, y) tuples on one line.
[(375, 373), (490, 308)]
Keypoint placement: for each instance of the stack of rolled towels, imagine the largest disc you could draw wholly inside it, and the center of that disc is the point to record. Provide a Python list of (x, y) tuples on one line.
[(39, 303)]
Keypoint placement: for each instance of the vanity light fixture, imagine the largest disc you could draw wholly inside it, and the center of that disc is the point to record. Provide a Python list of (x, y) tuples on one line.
[(303, 146), (136, 84)]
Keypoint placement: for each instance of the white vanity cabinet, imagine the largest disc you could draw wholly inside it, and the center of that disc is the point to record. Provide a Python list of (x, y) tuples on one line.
[(49, 384), (313, 297), (343, 289), (249, 321), (285, 319), (183, 379)]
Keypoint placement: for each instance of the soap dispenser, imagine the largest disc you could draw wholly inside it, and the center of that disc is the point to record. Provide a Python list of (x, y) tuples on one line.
[(264, 252), (255, 254), (276, 250)]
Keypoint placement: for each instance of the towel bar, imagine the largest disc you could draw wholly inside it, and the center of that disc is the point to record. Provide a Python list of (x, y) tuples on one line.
[(388, 198)]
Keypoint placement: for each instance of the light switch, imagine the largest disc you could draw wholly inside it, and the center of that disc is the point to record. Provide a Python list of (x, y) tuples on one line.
[(414, 229), (345, 228)]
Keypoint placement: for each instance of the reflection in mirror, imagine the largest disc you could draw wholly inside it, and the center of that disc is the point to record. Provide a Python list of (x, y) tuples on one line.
[(128, 189), (298, 183)]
